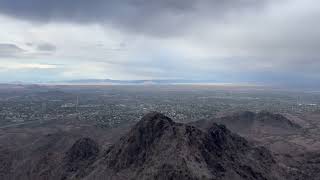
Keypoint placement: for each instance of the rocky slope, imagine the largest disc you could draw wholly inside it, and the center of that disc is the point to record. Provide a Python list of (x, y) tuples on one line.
[(264, 121), (247, 123), (274, 131), (155, 148)]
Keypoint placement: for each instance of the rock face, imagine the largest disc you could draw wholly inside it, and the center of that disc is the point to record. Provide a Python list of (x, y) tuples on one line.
[(82, 150), (158, 148), (79, 157)]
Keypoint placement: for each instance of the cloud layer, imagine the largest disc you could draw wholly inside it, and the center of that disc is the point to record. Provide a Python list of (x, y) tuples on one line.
[(265, 41)]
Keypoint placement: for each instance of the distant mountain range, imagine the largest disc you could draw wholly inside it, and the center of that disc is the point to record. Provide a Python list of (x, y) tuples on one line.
[(151, 81)]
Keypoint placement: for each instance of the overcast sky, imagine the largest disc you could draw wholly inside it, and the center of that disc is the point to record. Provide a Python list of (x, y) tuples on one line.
[(241, 41)]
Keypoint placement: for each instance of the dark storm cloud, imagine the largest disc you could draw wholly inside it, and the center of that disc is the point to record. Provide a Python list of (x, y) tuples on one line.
[(10, 50), (147, 16)]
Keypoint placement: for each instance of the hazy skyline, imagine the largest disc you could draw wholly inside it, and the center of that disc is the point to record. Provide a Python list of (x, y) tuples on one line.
[(240, 41)]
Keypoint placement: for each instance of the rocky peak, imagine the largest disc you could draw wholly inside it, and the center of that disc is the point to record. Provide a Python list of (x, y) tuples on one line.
[(158, 148)]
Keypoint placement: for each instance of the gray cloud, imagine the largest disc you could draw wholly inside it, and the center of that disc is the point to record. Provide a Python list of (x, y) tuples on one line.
[(10, 50), (46, 47)]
